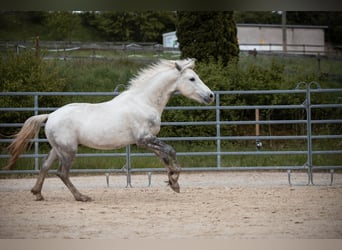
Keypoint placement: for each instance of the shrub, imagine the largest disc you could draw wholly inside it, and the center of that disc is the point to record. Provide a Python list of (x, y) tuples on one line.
[(28, 73)]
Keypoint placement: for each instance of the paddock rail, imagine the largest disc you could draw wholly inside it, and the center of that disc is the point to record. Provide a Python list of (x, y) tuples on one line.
[(305, 90)]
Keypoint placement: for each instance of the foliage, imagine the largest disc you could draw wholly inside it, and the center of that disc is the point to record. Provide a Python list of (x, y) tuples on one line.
[(139, 26), (99, 76), (146, 26), (207, 35), (263, 17), (21, 25), (26, 72), (60, 25)]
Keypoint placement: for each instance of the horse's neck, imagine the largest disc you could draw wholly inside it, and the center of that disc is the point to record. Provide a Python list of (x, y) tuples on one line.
[(158, 92), (160, 98)]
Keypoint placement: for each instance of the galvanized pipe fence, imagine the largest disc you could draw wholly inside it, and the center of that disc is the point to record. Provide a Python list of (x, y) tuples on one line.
[(305, 89)]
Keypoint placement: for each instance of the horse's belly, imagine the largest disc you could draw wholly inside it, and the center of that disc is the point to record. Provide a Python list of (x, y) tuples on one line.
[(102, 139)]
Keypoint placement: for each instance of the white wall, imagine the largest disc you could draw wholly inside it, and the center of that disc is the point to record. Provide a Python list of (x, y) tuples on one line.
[(269, 38), (170, 40)]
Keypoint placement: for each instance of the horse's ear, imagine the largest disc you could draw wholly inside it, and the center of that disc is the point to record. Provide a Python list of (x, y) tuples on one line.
[(188, 63), (191, 63), (178, 67)]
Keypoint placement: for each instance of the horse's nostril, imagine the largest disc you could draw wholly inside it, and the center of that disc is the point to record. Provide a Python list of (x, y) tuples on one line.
[(212, 96), (209, 98)]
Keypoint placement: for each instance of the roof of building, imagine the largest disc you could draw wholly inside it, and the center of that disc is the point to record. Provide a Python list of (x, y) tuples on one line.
[(280, 26)]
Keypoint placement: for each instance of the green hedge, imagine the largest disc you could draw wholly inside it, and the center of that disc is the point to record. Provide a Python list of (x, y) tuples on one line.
[(27, 72)]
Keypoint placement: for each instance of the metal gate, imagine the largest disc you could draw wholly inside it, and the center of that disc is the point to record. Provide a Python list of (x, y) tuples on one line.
[(305, 90)]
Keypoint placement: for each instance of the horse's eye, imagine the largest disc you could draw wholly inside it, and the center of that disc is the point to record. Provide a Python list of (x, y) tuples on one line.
[(192, 79)]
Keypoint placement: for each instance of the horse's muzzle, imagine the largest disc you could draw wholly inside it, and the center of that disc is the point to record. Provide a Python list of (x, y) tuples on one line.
[(209, 98)]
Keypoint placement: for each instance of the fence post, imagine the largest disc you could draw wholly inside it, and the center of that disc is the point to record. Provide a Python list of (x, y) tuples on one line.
[(37, 47), (17, 50), (36, 142), (128, 165), (258, 142), (308, 129), (218, 131), (307, 105)]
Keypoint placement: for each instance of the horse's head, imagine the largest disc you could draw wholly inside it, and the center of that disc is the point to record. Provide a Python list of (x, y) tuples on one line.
[(190, 85)]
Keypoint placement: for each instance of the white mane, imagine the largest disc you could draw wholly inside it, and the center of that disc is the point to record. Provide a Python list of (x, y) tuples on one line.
[(160, 66)]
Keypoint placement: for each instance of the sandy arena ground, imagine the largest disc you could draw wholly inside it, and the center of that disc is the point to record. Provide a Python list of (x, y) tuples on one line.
[(227, 205)]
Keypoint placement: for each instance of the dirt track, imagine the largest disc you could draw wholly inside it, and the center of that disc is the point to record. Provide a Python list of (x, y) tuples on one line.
[(211, 205)]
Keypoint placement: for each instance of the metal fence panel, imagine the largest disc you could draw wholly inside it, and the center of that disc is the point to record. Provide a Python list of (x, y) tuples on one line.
[(302, 88)]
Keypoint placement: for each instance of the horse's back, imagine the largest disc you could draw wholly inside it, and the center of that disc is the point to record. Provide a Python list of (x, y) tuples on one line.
[(99, 125), (107, 125)]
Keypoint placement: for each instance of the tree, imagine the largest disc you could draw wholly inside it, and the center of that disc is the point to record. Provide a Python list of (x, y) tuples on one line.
[(262, 17), (61, 24), (144, 26), (153, 24), (207, 35)]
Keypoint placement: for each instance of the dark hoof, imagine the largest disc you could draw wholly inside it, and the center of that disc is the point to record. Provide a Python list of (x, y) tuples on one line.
[(173, 180), (83, 198), (175, 187), (39, 196)]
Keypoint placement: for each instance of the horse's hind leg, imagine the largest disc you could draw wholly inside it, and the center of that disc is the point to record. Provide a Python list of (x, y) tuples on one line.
[(36, 190), (63, 174)]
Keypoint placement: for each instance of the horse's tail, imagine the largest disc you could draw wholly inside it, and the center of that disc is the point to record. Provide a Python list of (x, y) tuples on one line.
[(21, 142)]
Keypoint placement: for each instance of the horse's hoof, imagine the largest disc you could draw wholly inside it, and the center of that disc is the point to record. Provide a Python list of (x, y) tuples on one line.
[(83, 198), (39, 197), (175, 187)]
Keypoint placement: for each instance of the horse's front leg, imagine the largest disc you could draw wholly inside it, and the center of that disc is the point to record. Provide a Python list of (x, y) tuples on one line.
[(173, 170), (165, 152)]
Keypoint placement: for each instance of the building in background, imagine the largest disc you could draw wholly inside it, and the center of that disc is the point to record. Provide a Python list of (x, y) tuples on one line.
[(301, 39), (170, 40)]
